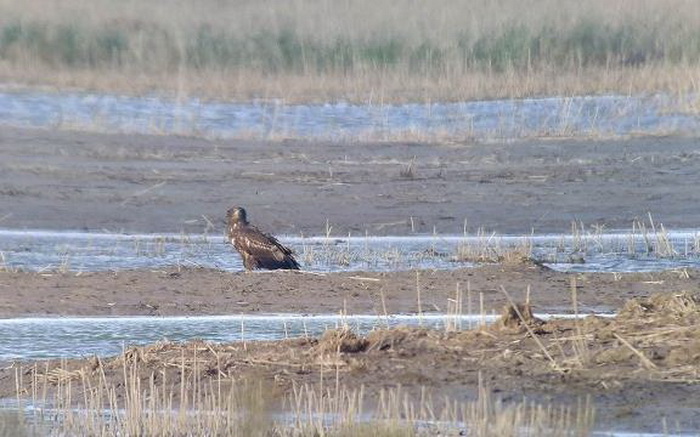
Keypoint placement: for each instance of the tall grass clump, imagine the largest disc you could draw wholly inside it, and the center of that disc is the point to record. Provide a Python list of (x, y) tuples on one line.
[(363, 50)]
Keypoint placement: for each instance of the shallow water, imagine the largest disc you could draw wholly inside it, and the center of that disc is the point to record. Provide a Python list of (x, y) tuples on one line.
[(610, 115), (79, 337), (36, 250), (42, 418)]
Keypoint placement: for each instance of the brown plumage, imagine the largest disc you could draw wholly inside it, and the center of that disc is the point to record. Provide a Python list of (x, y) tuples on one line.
[(258, 249)]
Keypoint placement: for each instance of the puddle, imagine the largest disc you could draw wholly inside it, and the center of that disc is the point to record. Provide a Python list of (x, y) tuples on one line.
[(80, 337), (610, 115), (35, 250)]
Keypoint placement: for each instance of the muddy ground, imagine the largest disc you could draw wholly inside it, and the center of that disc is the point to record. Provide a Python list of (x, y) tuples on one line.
[(69, 180), (201, 291)]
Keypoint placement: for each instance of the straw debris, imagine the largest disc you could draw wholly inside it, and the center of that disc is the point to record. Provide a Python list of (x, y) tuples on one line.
[(682, 306), (517, 316), (340, 341)]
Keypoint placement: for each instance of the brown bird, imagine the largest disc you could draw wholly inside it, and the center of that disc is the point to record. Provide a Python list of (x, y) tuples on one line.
[(258, 249)]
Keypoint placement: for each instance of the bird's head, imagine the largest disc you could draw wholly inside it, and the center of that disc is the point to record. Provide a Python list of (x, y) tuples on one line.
[(236, 215)]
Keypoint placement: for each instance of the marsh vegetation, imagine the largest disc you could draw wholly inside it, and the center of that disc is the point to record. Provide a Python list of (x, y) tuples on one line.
[(397, 381), (364, 51)]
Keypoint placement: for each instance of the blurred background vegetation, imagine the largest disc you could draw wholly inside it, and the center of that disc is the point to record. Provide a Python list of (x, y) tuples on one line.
[(360, 50)]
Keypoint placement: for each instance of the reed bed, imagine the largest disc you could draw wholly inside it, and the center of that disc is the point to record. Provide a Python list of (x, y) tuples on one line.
[(80, 402), (243, 411), (366, 51)]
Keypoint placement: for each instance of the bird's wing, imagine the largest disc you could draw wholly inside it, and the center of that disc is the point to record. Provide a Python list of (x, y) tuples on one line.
[(261, 245)]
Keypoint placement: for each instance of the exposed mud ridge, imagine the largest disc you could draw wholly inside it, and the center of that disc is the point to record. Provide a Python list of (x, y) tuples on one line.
[(196, 292), (640, 367)]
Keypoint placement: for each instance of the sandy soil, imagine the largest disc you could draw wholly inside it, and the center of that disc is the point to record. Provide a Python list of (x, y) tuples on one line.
[(69, 180)]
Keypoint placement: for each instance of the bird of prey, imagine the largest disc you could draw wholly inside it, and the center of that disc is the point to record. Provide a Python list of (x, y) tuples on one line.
[(258, 249)]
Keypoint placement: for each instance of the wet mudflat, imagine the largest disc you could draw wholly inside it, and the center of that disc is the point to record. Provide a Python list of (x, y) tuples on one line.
[(209, 292), (638, 368), (64, 180)]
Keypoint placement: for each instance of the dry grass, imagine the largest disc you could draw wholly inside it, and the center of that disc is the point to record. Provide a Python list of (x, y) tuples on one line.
[(654, 241), (364, 51), (486, 247), (409, 170), (201, 388), (5, 266), (224, 406)]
